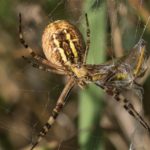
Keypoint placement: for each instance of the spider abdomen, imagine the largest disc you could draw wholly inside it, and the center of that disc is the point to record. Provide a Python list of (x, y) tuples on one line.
[(63, 44)]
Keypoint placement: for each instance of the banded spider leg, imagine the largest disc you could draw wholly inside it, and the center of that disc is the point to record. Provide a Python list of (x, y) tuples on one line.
[(127, 105), (42, 63), (59, 106)]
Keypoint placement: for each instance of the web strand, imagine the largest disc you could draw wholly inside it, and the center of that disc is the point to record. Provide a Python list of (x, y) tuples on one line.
[(145, 27)]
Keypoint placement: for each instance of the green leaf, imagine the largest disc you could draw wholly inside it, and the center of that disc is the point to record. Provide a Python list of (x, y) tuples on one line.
[(90, 103)]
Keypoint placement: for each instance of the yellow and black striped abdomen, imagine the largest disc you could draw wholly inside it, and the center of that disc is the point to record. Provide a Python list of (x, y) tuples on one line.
[(63, 44)]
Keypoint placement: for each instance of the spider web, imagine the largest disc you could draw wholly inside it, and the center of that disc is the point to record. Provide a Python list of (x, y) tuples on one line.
[(28, 95)]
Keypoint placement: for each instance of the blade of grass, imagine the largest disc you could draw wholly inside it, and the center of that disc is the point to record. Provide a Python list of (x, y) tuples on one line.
[(90, 104)]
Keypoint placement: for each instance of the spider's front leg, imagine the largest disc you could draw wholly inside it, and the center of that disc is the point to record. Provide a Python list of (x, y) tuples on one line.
[(112, 91), (59, 106)]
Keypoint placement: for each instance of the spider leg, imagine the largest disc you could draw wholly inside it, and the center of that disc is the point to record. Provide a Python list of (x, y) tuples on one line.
[(59, 106), (112, 91), (43, 67), (138, 90), (32, 53), (87, 39), (127, 105)]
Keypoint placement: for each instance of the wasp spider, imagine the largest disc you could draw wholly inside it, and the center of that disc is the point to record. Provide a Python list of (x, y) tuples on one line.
[(66, 54)]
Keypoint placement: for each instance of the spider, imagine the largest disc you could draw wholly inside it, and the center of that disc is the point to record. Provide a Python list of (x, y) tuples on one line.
[(66, 54)]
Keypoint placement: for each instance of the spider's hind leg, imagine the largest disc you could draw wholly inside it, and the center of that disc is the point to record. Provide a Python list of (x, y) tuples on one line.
[(22, 40), (31, 52), (42, 66), (87, 39)]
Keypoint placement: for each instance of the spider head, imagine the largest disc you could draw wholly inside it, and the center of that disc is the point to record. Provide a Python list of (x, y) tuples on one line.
[(79, 70)]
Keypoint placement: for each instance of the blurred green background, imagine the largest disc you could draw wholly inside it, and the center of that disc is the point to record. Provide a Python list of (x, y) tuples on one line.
[(91, 120)]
